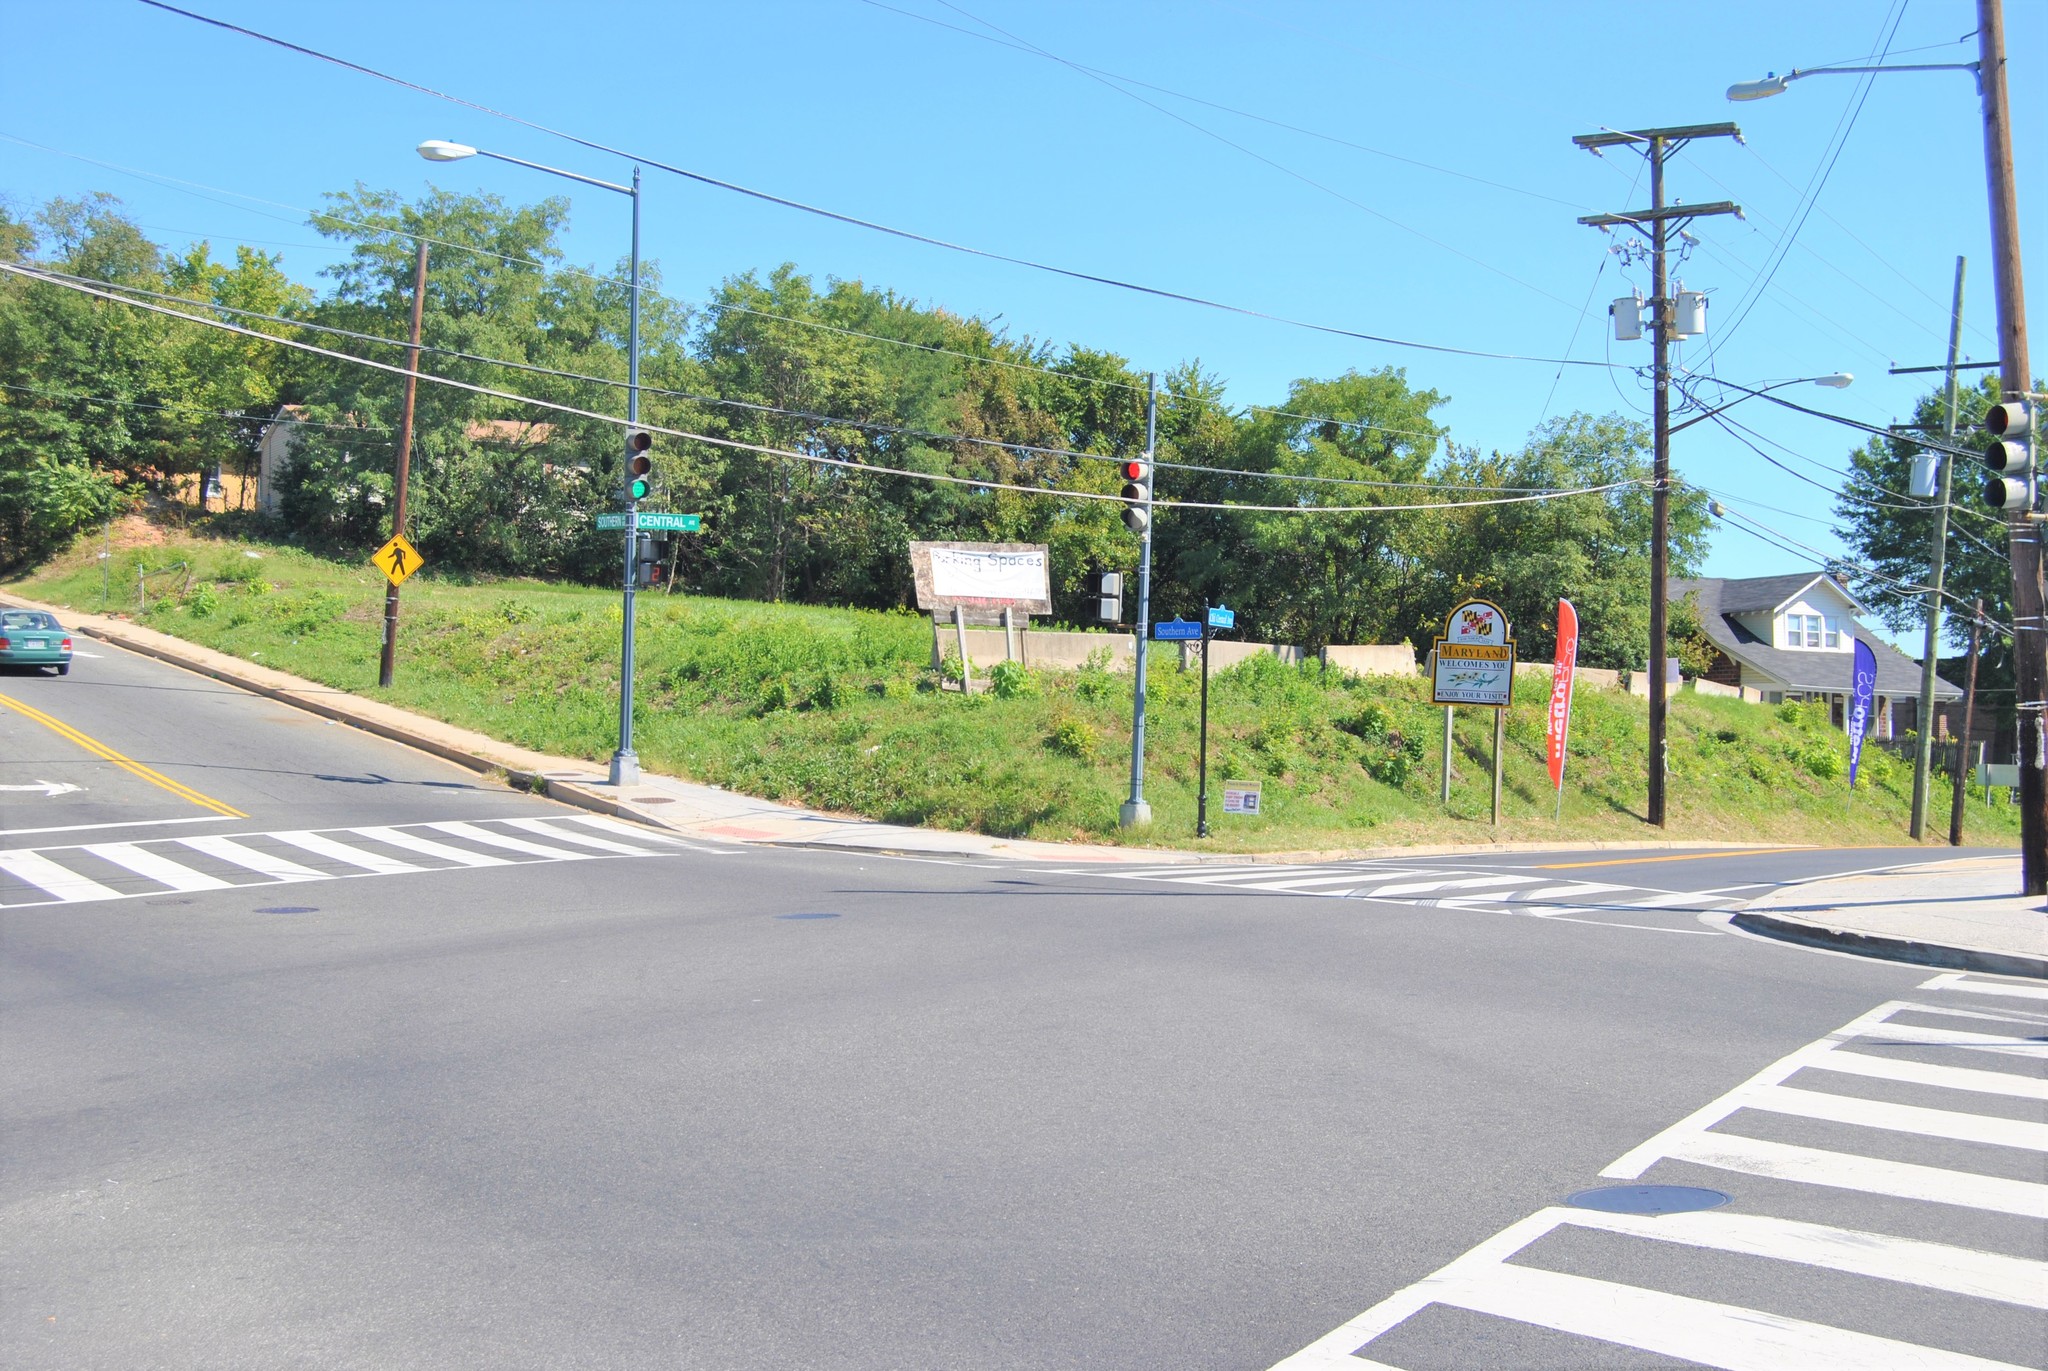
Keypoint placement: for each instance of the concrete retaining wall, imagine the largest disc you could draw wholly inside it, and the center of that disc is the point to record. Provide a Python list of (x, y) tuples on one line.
[(1058, 650), (1380, 659), (1037, 647)]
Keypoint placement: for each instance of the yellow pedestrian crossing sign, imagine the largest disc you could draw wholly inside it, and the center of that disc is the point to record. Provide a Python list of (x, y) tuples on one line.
[(397, 559)]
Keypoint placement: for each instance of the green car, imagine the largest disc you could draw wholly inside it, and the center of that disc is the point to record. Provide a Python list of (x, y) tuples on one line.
[(29, 637)]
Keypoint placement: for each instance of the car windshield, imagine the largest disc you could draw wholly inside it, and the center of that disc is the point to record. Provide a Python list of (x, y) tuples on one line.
[(25, 618)]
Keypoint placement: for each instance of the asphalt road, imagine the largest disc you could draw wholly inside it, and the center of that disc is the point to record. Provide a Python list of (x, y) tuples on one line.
[(318, 1053)]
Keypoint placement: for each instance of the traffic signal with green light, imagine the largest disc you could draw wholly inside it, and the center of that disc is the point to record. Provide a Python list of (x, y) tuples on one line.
[(639, 464)]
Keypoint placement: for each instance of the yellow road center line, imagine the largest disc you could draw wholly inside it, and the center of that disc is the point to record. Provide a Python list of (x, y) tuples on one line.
[(1681, 857), (129, 764)]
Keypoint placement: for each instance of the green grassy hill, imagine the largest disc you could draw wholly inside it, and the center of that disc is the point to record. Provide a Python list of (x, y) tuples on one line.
[(839, 709)]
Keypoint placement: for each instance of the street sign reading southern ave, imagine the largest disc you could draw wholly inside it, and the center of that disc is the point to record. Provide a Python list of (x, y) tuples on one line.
[(652, 522), (397, 559), (1176, 630)]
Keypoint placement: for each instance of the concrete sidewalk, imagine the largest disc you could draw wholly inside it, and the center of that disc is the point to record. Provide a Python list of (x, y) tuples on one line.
[(1961, 913)]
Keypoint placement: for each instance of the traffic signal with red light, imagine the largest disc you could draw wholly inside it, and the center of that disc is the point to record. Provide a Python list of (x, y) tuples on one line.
[(1137, 494)]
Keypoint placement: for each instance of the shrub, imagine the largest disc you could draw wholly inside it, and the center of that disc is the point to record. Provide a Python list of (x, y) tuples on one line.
[(1073, 737), (1370, 724), (1011, 681), (1093, 681), (1823, 759), (202, 601)]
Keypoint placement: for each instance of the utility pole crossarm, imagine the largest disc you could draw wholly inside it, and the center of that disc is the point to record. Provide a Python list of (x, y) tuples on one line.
[(1670, 137), (1664, 215)]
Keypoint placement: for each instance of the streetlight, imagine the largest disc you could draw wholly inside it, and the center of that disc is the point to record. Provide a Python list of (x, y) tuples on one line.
[(1774, 84), (625, 763), (2030, 662)]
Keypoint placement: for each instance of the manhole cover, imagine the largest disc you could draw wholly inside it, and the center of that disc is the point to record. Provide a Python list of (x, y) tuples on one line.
[(1649, 1199), (289, 909), (806, 916)]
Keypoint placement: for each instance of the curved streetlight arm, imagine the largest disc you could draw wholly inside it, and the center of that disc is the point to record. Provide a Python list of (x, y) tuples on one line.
[(1837, 380), (557, 171), (1775, 84)]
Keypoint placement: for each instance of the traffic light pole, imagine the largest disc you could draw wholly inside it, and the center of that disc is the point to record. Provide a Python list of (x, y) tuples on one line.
[(1135, 812), (2016, 377), (625, 767)]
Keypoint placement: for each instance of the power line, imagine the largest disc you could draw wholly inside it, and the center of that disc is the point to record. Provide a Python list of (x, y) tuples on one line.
[(1019, 46), (812, 458), (1916, 507), (1785, 542), (328, 216), (1282, 168), (180, 409), (1069, 273), (1815, 187), (813, 416)]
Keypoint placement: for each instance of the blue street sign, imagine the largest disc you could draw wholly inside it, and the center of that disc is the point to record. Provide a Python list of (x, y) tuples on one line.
[(1219, 617), (1176, 630)]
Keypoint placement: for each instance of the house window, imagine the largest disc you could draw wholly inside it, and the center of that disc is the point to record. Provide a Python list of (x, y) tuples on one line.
[(1813, 630)]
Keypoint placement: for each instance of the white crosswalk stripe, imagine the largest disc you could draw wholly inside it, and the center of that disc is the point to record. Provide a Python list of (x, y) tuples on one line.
[(1436, 887), (89, 872), (1509, 1276)]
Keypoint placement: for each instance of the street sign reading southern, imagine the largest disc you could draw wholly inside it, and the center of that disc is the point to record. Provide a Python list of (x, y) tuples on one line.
[(1475, 659), (1176, 630), (652, 522), (397, 559)]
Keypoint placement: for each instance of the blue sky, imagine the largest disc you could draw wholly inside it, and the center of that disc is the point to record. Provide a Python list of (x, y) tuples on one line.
[(863, 108)]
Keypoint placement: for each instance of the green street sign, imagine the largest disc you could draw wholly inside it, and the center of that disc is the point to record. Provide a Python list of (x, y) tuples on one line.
[(650, 522)]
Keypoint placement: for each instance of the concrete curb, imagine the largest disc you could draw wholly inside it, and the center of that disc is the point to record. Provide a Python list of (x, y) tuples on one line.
[(1892, 949)]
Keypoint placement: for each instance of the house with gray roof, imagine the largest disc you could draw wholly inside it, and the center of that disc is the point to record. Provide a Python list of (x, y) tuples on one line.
[(1791, 637)]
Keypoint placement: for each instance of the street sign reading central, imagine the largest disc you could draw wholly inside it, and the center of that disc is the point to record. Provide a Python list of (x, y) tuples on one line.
[(397, 559), (652, 522), (1220, 617), (1176, 630), (1475, 659)]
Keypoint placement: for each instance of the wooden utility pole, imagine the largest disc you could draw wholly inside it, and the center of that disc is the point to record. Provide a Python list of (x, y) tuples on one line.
[(412, 381), (1923, 753), (2022, 535), (1660, 220), (1955, 807)]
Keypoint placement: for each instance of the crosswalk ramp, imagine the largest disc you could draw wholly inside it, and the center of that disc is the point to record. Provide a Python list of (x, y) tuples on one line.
[(86, 872), (1536, 894), (1890, 1209)]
